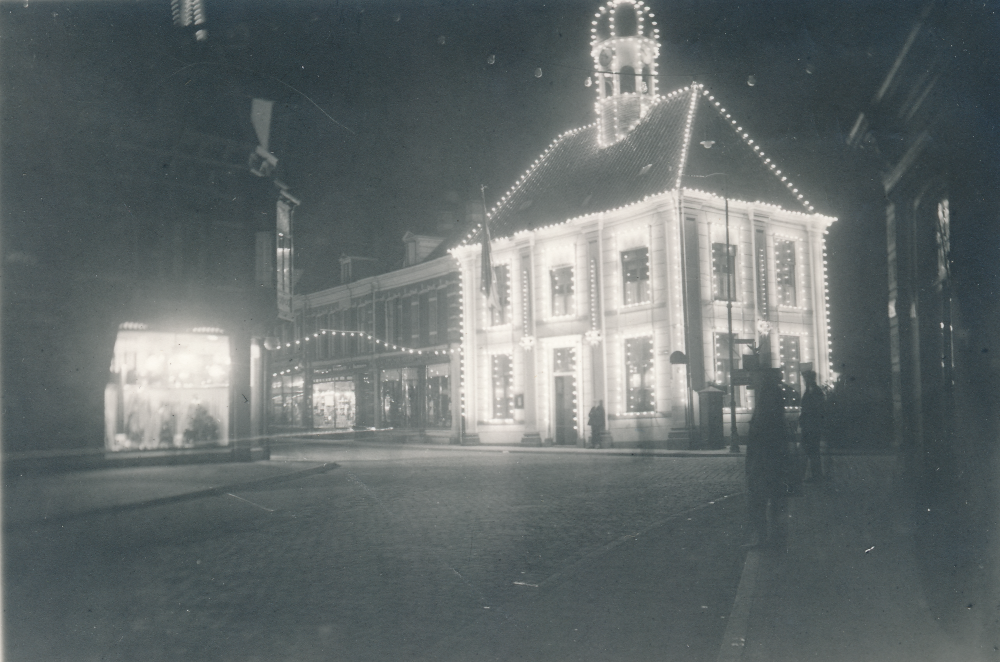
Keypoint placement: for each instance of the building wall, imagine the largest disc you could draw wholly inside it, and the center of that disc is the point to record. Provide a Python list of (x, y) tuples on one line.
[(603, 322), (387, 341)]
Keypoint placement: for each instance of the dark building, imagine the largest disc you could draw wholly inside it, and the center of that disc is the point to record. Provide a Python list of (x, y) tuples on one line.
[(929, 133), (173, 248)]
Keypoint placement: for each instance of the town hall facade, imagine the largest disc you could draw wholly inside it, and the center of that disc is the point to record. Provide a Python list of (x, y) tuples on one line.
[(619, 255)]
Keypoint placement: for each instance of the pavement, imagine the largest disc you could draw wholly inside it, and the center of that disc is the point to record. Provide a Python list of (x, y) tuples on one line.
[(36, 498), (846, 587)]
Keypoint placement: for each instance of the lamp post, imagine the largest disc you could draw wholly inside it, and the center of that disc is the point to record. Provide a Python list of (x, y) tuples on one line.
[(734, 438)]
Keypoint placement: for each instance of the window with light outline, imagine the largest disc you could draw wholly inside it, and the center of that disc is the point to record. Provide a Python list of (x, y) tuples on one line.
[(639, 377), (562, 290), (635, 276), (502, 374), (500, 316), (723, 367), (724, 272), (784, 271), (789, 351)]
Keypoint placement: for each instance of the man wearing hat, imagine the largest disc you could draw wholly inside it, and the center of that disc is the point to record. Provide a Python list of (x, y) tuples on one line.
[(811, 424), (767, 462)]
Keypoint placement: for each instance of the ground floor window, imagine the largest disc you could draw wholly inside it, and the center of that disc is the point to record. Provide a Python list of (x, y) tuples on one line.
[(288, 400), (503, 383), (724, 344), (334, 404), (399, 398), (639, 374), (789, 351), (438, 398)]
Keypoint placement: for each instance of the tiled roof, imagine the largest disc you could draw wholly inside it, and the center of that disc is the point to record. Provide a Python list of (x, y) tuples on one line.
[(575, 176), (748, 171)]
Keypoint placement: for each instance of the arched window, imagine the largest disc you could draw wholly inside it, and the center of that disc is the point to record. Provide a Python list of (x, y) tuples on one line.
[(647, 80), (627, 82)]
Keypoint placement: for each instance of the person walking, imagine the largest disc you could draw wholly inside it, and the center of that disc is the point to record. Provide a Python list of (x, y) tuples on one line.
[(596, 421), (811, 424), (767, 463)]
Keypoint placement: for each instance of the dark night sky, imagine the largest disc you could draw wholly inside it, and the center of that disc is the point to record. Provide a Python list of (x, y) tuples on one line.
[(421, 118)]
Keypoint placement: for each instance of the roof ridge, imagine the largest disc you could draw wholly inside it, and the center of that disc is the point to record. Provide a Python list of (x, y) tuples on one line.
[(694, 87), (745, 137), (498, 206)]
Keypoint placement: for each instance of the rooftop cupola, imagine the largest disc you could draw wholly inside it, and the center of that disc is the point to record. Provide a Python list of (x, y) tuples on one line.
[(624, 44)]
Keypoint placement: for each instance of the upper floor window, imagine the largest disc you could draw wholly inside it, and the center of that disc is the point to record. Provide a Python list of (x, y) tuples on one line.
[(501, 315), (562, 290), (724, 272), (635, 276), (784, 271)]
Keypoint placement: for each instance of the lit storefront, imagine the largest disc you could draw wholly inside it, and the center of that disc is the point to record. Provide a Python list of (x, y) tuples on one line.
[(167, 390), (334, 403), (288, 400), (378, 356)]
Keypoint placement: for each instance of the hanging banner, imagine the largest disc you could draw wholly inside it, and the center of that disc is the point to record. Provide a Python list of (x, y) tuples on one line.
[(284, 261)]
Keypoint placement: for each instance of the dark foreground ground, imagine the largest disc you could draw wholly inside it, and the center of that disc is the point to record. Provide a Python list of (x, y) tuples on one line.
[(394, 554)]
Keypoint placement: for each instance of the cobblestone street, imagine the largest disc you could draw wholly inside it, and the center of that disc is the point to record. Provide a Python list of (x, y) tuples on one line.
[(379, 559)]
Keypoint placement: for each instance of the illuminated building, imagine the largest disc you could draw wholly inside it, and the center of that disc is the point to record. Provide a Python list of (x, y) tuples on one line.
[(593, 244), (379, 352)]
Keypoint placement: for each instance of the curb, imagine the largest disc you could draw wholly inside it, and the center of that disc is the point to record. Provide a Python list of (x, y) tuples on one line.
[(543, 450), (186, 496), (735, 638)]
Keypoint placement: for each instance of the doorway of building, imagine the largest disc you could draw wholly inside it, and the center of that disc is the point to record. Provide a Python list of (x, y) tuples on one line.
[(564, 361), (566, 410)]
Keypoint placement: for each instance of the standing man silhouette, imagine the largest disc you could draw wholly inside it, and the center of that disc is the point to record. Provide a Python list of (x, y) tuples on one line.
[(767, 462), (811, 423), (596, 421)]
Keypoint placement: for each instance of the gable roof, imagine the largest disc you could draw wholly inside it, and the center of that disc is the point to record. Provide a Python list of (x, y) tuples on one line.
[(576, 176)]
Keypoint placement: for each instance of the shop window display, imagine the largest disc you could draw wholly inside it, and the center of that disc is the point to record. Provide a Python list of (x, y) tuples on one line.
[(287, 400), (399, 398), (167, 390), (334, 404), (438, 396)]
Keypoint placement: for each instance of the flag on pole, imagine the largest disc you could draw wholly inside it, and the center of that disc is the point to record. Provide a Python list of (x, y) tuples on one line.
[(488, 280), (262, 162)]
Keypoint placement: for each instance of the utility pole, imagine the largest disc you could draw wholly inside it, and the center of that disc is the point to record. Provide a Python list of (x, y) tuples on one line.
[(734, 437)]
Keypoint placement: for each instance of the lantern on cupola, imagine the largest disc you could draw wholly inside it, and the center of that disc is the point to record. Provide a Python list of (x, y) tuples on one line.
[(624, 45)]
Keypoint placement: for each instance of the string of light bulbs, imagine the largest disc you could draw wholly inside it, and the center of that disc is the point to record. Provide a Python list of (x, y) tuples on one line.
[(367, 336)]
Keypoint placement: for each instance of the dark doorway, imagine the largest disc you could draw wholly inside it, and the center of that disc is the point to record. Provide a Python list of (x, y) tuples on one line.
[(565, 410)]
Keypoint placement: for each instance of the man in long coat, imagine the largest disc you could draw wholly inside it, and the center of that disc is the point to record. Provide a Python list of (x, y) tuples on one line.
[(767, 462), (596, 420), (811, 423)]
